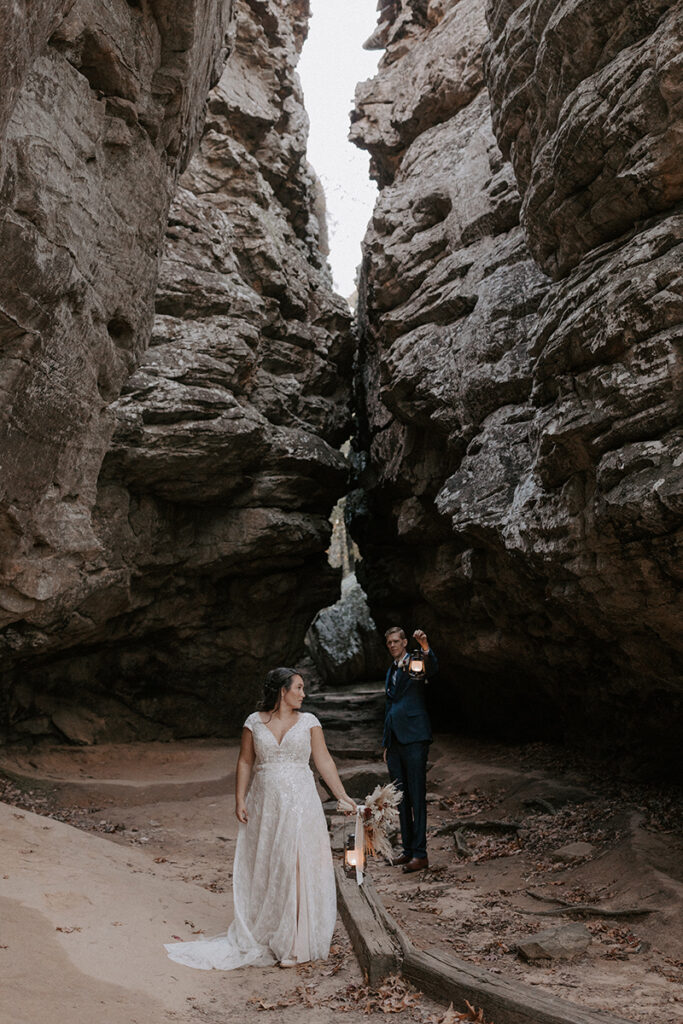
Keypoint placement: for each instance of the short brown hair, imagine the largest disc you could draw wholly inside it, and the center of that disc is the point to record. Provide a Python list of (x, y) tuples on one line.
[(395, 629)]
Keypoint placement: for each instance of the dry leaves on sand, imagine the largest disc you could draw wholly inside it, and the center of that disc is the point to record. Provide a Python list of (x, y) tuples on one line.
[(669, 968), (455, 1017), (264, 1004), (393, 996)]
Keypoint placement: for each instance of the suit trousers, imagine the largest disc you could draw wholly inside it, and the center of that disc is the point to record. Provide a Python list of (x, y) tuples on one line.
[(407, 764)]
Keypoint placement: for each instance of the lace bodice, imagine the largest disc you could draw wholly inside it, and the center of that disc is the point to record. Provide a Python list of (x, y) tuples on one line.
[(295, 747)]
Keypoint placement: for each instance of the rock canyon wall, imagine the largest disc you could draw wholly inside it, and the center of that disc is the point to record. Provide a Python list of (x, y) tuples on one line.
[(171, 406), (519, 465)]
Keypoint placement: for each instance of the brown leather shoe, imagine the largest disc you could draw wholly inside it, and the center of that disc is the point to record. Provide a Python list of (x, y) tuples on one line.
[(405, 858), (416, 864)]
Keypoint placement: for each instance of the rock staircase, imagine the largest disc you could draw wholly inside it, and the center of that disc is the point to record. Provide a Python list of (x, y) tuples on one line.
[(352, 718)]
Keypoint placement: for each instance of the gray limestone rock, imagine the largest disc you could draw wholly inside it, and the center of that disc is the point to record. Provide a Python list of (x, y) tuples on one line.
[(105, 109), (360, 780), (78, 725), (572, 852), (172, 456), (517, 467), (343, 640), (561, 943), (590, 116)]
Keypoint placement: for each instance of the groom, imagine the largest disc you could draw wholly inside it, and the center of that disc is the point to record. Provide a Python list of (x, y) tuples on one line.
[(407, 735)]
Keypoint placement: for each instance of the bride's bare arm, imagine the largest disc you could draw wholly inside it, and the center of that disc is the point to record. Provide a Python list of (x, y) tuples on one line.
[(324, 762), (245, 763)]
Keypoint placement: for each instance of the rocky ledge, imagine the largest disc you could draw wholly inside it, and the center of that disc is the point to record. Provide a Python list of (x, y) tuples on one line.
[(174, 425), (518, 458)]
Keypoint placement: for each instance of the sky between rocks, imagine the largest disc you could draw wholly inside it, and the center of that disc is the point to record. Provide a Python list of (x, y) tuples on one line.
[(331, 64)]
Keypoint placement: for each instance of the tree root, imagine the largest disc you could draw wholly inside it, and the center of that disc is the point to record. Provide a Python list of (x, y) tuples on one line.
[(478, 826), (588, 909), (461, 844), (538, 801)]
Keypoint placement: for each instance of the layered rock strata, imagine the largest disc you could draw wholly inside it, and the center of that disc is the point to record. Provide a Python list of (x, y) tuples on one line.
[(519, 451), (205, 515)]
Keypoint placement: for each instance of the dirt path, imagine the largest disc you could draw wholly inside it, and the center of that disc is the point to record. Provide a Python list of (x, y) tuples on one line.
[(511, 884), (84, 911)]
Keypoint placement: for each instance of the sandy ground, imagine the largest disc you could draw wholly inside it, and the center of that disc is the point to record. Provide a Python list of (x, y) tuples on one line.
[(84, 911), (83, 916), (476, 906)]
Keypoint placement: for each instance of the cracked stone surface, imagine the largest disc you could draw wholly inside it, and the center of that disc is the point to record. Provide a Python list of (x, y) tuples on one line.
[(518, 454), (173, 406)]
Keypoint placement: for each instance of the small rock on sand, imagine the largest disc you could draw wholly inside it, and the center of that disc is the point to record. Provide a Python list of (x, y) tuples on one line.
[(572, 852), (560, 943)]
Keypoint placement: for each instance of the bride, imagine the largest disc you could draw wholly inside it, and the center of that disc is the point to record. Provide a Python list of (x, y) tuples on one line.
[(283, 882)]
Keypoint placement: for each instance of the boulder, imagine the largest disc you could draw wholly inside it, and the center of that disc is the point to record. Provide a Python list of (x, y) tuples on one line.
[(343, 640), (562, 943), (360, 780), (573, 852), (78, 725)]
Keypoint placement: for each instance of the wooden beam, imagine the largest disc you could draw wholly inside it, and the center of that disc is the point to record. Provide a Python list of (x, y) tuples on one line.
[(377, 954), (506, 1002)]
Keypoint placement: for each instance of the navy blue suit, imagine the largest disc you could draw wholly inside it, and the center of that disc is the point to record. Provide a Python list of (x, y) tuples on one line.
[(407, 735)]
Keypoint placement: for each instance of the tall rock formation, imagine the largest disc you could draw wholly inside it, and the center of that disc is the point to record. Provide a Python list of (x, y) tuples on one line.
[(518, 385), (165, 519)]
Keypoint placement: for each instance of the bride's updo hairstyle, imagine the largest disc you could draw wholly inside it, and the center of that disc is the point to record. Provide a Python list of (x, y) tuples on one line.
[(275, 680)]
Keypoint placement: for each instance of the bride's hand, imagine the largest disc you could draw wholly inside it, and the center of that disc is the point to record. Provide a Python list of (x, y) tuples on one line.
[(346, 805), (241, 812)]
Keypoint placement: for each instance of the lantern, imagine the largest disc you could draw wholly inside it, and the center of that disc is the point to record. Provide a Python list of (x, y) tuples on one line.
[(416, 665), (350, 854)]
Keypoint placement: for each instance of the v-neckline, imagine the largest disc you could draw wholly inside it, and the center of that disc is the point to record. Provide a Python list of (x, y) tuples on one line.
[(285, 733)]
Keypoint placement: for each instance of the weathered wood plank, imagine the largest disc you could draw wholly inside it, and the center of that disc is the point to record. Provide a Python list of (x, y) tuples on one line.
[(505, 1002), (376, 953)]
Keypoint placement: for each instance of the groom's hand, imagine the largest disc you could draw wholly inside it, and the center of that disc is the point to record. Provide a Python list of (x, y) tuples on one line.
[(421, 638), (384, 755)]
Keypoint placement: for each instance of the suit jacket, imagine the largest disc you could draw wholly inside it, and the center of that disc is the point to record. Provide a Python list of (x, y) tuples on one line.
[(406, 711)]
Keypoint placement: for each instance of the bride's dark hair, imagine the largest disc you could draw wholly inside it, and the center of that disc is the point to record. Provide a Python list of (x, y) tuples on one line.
[(275, 680)]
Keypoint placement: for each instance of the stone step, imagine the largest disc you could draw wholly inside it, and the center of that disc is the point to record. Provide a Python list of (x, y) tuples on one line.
[(340, 751), (363, 717), (352, 716), (373, 687), (346, 699), (347, 719)]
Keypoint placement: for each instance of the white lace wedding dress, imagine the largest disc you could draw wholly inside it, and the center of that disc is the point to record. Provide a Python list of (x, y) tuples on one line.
[(283, 881)]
